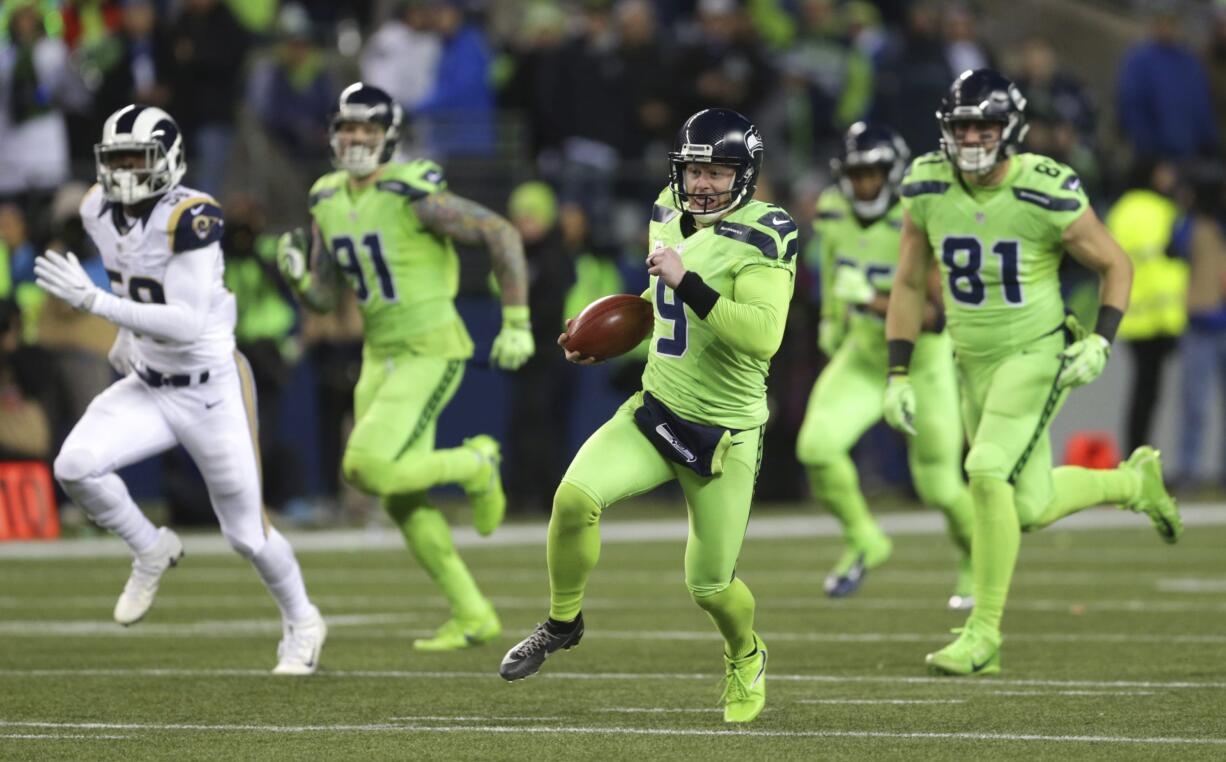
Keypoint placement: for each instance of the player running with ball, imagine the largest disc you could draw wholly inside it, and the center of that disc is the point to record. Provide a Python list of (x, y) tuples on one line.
[(996, 223), (722, 270)]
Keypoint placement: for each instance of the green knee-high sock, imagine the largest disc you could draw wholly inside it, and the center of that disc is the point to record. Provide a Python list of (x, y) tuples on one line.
[(573, 549), (429, 539), (1075, 489), (960, 519), (996, 539), (732, 611), (837, 486)]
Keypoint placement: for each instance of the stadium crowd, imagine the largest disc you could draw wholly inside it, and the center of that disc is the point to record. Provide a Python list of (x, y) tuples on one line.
[(559, 114)]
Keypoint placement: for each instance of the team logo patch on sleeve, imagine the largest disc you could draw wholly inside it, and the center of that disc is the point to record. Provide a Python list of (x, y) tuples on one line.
[(194, 224)]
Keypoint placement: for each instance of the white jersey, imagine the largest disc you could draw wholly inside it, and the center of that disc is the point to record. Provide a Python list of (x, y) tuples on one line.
[(136, 254)]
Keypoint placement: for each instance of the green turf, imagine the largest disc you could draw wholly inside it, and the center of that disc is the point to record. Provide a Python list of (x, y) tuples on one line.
[(1110, 635)]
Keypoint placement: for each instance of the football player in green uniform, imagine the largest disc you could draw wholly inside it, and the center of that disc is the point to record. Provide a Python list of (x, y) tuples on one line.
[(858, 224), (997, 222), (387, 228), (722, 267)]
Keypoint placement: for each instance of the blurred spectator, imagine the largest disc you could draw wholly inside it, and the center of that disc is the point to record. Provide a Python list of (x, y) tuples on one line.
[(829, 84), (36, 78), (1163, 94), (76, 341), (1142, 221), (913, 77), (530, 82), (292, 92), (865, 30), (1199, 238), (649, 67), (963, 48), (1052, 91), (593, 91), (1215, 66), (138, 72), (334, 349), (208, 47), (402, 55), (719, 63), (25, 431), (265, 318), (458, 112), (537, 453)]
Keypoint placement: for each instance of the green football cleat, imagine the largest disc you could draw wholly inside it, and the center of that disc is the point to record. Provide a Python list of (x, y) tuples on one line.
[(485, 490), (1152, 498), (963, 598), (457, 634), (744, 684), (975, 652), (861, 554)]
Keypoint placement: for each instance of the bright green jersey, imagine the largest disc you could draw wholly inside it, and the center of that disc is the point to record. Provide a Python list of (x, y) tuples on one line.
[(998, 248), (846, 242), (404, 276), (873, 248), (689, 368)]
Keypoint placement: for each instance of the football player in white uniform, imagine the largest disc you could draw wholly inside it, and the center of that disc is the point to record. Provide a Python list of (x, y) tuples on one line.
[(184, 382)]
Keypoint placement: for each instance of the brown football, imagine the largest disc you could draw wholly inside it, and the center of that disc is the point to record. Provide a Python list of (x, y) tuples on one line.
[(611, 326)]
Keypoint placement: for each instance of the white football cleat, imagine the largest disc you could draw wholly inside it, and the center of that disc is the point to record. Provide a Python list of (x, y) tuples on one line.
[(147, 571), (301, 642)]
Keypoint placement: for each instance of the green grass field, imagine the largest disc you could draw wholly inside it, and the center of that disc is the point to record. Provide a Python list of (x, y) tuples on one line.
[(1115, 649)]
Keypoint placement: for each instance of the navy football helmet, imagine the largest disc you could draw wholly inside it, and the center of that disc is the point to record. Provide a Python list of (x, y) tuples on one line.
[(716, 136), (867, 144), (366, 104), (982, 95)]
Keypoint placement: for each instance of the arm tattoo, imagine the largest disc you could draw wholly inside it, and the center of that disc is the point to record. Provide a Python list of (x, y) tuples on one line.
[(323, 293), (469, 223)]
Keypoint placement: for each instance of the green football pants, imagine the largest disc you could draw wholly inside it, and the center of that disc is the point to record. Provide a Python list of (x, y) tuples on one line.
[(391, 454), (847, 400), (618, 462), (1008, 404)]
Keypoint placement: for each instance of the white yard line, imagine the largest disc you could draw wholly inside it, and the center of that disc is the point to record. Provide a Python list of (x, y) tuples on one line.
[(1071, 693), (243, 627), (613, 531), (881, 701), (961, 685), (258, 599), (447, 718), (60, 737), (1192, 585), (626, 731)]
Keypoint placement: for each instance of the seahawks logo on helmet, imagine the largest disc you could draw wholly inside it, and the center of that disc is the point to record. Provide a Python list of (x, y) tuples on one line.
[(140, 155)]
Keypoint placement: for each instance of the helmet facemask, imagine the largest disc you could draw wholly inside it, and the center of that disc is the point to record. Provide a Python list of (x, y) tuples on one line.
[(355, 155), (131, 185), (709, 203)]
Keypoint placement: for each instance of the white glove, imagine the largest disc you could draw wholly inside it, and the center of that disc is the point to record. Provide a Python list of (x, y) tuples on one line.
[(122, 352), (62, 276), (851, 286), (292, 259)]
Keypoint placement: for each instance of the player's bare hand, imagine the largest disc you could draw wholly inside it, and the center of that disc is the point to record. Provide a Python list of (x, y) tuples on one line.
[(575, 357), (666, 263)]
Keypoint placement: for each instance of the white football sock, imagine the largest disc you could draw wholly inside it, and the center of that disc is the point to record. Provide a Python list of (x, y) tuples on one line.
[(283, 577)]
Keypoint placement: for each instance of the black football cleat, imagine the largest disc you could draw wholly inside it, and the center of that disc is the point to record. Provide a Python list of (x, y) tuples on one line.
[(527, 656)]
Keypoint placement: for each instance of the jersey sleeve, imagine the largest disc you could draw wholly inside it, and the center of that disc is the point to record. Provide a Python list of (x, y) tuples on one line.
[(91, 209), (753, 320), (1052, 190), (927, 179), (194, 222)]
